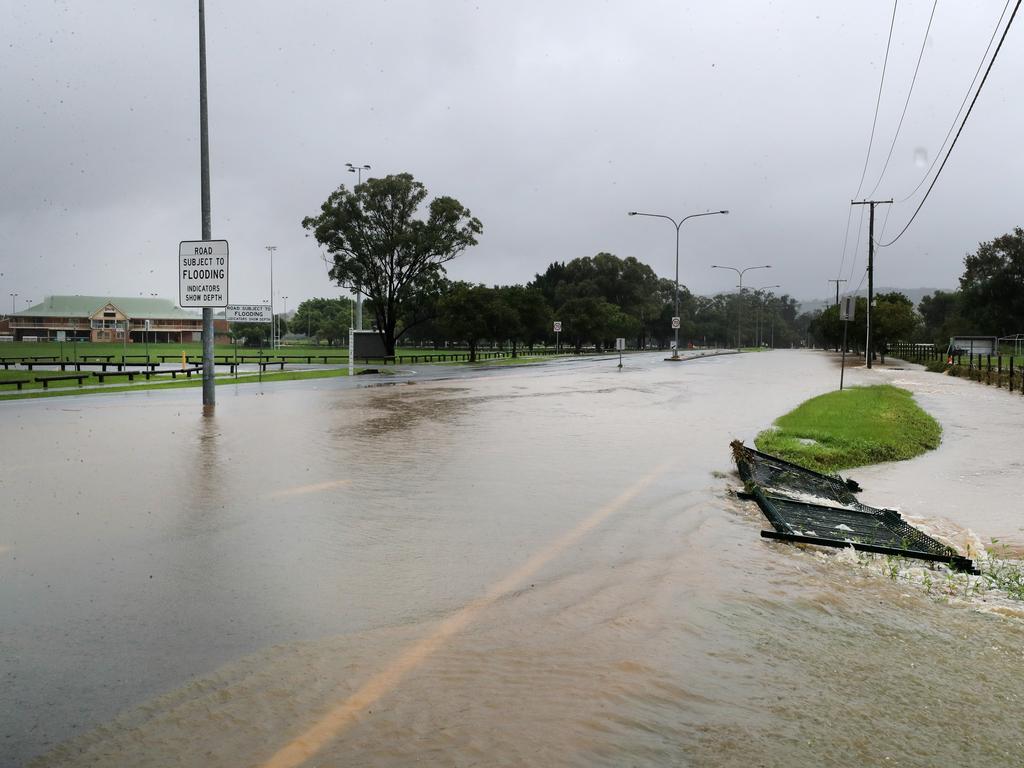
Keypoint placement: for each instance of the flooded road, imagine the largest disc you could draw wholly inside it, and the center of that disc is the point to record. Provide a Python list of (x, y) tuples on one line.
[(536, 566)]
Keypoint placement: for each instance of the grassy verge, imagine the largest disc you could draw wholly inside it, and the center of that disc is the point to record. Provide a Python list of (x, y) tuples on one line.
[(195, 381), (851, 428)]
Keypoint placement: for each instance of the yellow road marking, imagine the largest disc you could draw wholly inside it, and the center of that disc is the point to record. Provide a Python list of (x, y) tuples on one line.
[(330, 725), (313, 488)]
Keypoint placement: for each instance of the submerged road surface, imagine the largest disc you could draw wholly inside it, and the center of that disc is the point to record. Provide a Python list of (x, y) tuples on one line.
[(529, 566)]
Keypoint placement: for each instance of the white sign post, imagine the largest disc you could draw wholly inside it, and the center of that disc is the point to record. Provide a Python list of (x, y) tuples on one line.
[(203, 273), (351, 351), (558, 330), (620, 344), (675, 323), (846, 310)]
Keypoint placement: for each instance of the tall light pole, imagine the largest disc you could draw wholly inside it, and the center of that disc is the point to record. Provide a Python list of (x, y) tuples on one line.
[(13, 297), (358, 171), (273, 322), (285, 315), (739, 312), (760, 311), (677, 225)]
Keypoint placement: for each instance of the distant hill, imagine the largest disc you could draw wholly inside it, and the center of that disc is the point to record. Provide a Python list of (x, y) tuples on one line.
[(914, 294)]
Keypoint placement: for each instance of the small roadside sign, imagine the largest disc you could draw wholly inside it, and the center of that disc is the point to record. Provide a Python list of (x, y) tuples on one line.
[(203, 273), (675, 322), (620, 344), (248, 313), (558, 326), (847, 307)]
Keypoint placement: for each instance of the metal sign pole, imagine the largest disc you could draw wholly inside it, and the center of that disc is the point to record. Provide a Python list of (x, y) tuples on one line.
[(209, 395), (842, 368)]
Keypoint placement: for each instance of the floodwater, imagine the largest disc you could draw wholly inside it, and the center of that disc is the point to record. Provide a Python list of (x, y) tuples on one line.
[(536, 566)]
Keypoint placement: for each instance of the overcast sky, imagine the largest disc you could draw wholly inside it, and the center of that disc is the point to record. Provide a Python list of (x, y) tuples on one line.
[(549, 120)]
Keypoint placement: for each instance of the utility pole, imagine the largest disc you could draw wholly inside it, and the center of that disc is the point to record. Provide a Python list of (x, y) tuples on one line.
[(209, 394), (871, 267), (837, 282)]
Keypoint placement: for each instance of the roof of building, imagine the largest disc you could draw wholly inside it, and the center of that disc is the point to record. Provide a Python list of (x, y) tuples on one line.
[(135, 307)]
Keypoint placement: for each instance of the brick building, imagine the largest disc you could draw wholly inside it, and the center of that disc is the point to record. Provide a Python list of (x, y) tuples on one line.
[(108, 318)]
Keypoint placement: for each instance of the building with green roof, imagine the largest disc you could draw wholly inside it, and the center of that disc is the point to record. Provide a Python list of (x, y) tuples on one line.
[(109, 318)]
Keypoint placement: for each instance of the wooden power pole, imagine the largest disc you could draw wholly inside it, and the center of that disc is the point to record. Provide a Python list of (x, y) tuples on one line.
[(871, 267)]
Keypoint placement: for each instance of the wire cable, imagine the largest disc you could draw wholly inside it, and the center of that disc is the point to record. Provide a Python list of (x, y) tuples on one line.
[(964, 123), (913, 80), (878, 100), (963, 104)]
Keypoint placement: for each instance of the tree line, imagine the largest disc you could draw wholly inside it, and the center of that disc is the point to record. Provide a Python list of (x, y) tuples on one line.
[(989, 302), (384, 239), (378, 243)]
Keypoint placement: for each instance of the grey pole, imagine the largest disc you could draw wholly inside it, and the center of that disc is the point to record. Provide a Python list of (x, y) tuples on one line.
[(273, 320), (677, 225), (358, 171), (209, 395)]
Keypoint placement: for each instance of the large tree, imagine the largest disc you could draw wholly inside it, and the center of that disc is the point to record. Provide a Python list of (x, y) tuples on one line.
[(992, 286), (381, 248)]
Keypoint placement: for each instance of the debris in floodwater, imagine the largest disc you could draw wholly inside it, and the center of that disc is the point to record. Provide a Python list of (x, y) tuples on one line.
[(798, 502)]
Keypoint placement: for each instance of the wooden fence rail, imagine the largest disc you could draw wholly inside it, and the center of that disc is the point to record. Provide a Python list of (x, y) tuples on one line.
[(1001, 370)]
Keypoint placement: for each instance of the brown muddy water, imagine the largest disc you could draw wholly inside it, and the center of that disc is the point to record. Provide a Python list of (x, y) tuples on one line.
[(538, 567)]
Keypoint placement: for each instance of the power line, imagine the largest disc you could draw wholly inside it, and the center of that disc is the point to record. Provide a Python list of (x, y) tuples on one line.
[(955, 138), (963, 103), (906, 104), (856, 250), (871, 139), (878, 100)]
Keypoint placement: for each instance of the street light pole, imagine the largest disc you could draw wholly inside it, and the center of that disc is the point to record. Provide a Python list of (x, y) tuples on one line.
[(13, 297), (273, 322), (677, 225), (285, 315), (739, 310), (358, 171), (760, 312)]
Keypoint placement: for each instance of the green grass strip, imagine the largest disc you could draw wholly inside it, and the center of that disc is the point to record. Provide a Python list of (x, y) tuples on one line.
[(852, 428)]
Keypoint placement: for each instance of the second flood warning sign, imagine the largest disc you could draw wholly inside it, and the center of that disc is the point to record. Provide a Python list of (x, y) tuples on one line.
[(203, 273)]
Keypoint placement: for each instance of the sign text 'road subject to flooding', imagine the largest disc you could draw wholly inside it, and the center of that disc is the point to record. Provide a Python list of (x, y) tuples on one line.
[(203, 273)]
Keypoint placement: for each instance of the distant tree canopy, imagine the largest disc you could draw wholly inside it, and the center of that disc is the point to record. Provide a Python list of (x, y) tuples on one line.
[(323, 319), (379, 247)]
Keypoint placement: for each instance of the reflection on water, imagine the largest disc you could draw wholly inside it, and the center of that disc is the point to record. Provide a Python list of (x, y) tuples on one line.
[(301, 542)]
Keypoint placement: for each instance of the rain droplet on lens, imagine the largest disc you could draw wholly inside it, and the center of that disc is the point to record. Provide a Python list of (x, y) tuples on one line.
[(920, 157)]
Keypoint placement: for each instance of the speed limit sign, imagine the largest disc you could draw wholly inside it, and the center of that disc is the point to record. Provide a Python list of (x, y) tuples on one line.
[(558, 326), (675, 323)]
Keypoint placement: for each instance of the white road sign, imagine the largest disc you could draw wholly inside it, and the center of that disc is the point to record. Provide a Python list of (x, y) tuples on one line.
[(203, 273), (248, 313), (675, 322), (558, 326), (846, 307), (620, 344)]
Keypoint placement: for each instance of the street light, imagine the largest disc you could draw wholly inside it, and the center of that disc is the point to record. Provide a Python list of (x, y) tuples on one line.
[(285, 315), (270, 250), (760, 313), (357, 170), (739, 313), (13, 297), (675, 312)]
